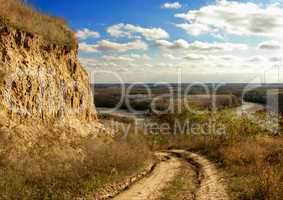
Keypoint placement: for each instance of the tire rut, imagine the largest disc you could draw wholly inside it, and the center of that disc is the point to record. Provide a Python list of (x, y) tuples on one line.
[(150, 187), (209, 180)]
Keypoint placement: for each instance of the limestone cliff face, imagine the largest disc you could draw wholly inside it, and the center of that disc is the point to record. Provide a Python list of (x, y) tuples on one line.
[(42, 81)]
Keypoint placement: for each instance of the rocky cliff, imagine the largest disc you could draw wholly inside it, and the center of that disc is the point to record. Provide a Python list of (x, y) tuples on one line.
[(42, 81), (46, 104), (47, 115)]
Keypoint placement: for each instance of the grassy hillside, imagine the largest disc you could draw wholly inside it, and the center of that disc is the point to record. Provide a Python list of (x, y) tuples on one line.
[(23, 17), (250, 157)]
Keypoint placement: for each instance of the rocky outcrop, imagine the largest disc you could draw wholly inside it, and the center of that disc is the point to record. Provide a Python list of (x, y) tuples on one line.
[(41, 81)]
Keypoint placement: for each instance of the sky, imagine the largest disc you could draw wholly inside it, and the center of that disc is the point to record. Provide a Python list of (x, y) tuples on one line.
[(176, 41)]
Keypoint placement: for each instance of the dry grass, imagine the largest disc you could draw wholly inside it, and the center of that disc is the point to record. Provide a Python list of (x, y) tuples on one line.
[(250, 157), (184, 187), (63, 169), (252, 166), (256, 168), (24, 17)]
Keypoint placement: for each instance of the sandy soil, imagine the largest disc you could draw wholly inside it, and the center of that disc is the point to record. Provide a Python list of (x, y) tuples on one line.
[(210, 184), (150, 187)]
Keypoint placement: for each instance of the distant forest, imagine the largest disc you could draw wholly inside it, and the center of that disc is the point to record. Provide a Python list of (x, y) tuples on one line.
[(108, 95)]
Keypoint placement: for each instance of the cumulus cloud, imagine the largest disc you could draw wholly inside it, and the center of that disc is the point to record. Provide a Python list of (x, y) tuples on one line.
[(118, 58), (87, 47), (205, 59), (256, 59), (276, 59), (195, 57), (88, 61), (174, 5), (117, 30), (140, 56), (269, 45), (200, 46), (131, 31), (246, 19), (227, 57), (126, 58), (105, 45), (177, 44), (86, 33), (171, 57), (195, 29)]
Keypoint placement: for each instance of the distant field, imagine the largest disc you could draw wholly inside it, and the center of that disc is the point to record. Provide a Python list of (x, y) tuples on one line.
[(160, 97), (138, 97)]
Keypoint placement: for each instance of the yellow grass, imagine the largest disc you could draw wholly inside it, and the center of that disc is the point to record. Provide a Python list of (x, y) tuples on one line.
[(60, 168), (24, 17), (250, 157)]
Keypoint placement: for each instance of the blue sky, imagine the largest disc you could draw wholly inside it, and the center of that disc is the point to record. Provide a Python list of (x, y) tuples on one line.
[(207, 41), (97, 14)]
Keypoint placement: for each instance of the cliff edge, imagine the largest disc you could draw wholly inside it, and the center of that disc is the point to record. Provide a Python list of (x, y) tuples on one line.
[(42, 81), (45, 95)]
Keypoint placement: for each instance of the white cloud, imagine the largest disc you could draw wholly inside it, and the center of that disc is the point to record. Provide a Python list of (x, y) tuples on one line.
[(171, 57), (129, 30), (140, 56), (174, 5), (200, 46), (228, 57), (126, 58), (117, 31), (256, 59), (105, 45), (217, 64), (195, 29), (86, 33), (195, 57), (269, 45), (276, 59), (87, 47), (164, 44), (204, 59), (88, 61), (118, 58), (246, 19)]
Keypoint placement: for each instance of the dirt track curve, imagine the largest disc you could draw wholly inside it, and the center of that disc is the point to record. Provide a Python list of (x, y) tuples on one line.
[(150, 187), (210, 186)]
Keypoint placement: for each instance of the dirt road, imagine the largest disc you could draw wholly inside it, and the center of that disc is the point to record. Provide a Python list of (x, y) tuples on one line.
[(150, 187), (210, 185)]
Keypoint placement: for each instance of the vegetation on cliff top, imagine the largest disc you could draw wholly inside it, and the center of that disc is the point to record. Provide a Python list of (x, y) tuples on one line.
[(21, 16)]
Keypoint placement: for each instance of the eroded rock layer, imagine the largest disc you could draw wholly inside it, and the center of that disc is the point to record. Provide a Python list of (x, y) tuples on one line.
[(42, 81)]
